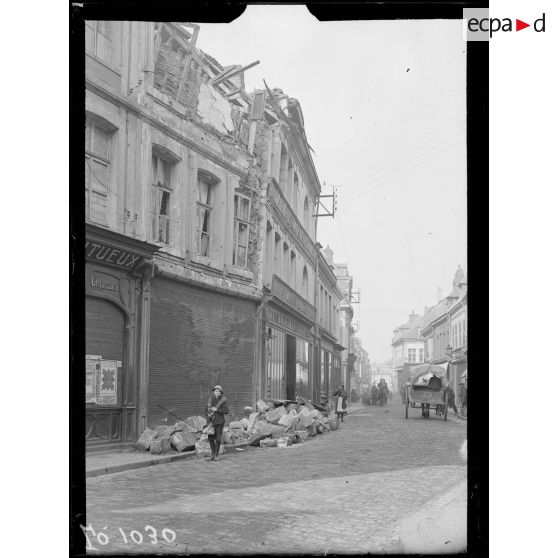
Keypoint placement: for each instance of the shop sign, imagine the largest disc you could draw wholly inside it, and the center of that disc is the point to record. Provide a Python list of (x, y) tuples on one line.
[(106, 254), (286, 322), (291, 298), (284, 210), (102, 284)]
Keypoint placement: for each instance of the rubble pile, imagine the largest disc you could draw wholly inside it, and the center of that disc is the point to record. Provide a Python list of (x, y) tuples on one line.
[(273, 424)]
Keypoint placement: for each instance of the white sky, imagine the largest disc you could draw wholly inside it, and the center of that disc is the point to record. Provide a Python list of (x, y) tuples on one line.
[(384, 108)]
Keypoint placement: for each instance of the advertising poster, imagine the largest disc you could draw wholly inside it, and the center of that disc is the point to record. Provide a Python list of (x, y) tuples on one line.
[(92, 365), (107, 383)]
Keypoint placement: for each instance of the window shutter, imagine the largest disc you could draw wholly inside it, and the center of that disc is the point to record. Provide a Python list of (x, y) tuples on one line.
[(258, 105), (101, 143)]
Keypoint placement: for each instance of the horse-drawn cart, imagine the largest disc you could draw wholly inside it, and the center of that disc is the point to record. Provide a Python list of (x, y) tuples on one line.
[(427, 389)]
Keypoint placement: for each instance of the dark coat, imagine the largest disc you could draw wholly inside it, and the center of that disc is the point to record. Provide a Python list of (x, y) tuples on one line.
[(219, 416)]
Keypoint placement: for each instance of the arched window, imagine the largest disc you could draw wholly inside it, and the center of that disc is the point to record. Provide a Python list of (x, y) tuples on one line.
[(283, 169), (269, 247), (285, 262), (293, 271), (295, 193), (305, 283), (277, 256), (306, 214)]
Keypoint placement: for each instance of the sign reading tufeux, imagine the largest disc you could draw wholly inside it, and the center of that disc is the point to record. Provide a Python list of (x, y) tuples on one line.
[(106, 254)]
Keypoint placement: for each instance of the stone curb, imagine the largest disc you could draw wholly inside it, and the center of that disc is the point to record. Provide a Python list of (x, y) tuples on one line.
[(410, 540), (156, 460)]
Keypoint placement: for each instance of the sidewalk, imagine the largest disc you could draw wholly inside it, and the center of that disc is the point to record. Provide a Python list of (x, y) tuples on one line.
[(106, 463), (438, 527)]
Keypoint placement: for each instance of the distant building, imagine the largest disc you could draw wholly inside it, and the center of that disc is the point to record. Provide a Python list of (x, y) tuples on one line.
[(346, 330), (444, 329), (362, 369), (408, 349)]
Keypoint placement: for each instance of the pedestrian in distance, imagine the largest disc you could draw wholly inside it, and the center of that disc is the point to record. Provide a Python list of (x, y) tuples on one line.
[(341, 402), (217, 408), (451, 400)]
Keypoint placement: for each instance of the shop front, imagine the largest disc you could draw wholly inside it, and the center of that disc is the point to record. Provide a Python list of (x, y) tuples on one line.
[(118, 270), (289, 347), (199, 337)]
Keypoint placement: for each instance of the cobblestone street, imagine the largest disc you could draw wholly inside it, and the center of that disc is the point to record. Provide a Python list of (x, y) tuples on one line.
[(343, 491)]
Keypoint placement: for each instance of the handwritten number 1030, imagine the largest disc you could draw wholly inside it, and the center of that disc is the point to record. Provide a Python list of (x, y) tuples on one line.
[(132, 537)]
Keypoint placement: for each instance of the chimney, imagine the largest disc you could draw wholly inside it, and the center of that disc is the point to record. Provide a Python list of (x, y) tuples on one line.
[(328, 254)]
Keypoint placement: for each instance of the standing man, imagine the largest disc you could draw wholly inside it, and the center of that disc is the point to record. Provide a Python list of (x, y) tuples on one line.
[(216, 410)]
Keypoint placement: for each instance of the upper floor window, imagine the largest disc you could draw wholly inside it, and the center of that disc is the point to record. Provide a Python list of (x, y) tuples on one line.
[(160, 198), (98, 38), (305, 283), (421, 355), (293, 271), (306, 215), (412, 355), (97, 171), (241, 231), (207, 185)]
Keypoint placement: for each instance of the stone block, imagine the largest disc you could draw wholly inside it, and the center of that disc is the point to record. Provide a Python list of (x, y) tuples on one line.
[(144, 441), (274, 415), (183, 441), (268, 443)]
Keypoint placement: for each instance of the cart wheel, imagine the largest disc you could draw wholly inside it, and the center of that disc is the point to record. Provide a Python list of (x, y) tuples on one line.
[(446, 406), (407, 405)]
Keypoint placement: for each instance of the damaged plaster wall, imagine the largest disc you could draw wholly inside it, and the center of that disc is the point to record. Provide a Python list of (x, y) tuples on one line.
[(214, 109)]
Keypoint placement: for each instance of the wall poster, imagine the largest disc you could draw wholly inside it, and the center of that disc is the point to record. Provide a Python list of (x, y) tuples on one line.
[(108, 383), (92, 369)]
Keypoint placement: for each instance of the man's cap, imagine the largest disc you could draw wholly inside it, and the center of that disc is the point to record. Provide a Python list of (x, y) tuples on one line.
[(219, 388)]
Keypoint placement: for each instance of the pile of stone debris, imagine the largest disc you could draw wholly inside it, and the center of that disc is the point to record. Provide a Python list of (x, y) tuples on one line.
[(274, 424)]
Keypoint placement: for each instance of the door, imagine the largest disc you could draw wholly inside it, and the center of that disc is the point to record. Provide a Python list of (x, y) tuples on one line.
[(105, 350)]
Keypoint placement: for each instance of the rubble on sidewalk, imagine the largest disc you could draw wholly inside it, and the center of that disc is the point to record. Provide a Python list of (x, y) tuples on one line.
[(275, 423)]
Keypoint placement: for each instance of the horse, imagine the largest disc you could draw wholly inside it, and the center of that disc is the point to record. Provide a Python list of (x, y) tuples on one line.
[(383, 395)]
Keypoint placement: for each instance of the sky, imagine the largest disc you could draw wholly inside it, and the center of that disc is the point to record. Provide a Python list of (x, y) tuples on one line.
[(384, 106)]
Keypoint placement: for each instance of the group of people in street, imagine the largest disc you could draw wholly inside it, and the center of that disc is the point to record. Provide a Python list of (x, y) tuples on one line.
[(379, 394)]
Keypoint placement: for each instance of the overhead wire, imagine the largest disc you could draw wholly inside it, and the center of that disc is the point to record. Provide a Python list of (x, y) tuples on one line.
[(407, 155), (356, 195)]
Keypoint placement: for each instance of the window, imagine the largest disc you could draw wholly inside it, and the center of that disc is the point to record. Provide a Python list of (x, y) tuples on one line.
[(305, 283), (206, 196), (98, 37), (277, 256), (412, 355), (306, 214), (285, 262), (283, 169), (421, 355), (160, 199), (295, 192), (97, 172), (241, 230), (293, 271)]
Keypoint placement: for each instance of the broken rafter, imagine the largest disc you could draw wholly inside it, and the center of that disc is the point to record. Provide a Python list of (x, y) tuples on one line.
[(235, 72), (187, 61)]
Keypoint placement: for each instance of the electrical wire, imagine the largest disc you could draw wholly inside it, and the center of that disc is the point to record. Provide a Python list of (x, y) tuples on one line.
[(356, 196), (397, 160)]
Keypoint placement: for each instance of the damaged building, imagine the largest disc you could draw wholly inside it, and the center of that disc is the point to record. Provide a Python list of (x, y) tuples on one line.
[(202, 265)]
